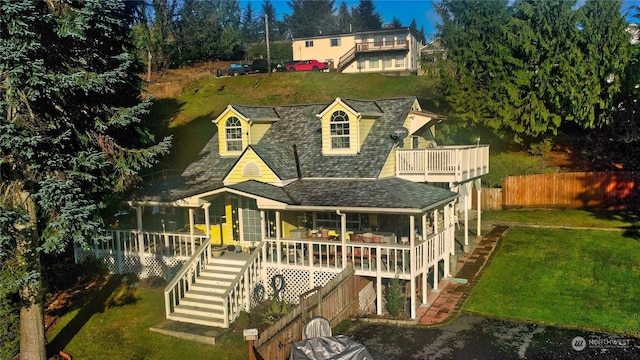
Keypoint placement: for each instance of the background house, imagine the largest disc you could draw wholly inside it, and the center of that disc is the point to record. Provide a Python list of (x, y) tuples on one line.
[(385, 51)]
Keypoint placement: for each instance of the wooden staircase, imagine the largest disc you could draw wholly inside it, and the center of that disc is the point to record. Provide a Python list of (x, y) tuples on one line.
[(203, 302)]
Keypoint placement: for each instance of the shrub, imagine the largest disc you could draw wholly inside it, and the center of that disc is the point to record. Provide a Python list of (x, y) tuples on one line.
[(394, 296)]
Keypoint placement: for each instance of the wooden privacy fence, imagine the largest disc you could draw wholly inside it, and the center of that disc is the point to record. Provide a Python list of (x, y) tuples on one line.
[(336, 301), (575, 190)]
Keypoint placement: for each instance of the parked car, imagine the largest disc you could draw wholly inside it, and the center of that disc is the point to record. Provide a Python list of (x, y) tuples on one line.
[(262, 66), (307, 65), (237, 69)]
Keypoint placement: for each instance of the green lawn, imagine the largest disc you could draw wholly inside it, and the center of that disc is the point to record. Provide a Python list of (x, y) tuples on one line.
[(568, 218), (122, 332), (581, 278)]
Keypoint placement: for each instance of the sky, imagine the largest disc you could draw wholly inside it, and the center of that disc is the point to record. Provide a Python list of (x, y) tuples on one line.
[(404, 10)]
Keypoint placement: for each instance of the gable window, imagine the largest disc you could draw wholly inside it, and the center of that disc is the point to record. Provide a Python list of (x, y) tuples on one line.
[(233, 131), (339, 130), (335, 42), (308, 43)]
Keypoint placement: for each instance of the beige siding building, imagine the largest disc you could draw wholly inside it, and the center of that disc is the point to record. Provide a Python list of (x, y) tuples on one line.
[(387, 50)]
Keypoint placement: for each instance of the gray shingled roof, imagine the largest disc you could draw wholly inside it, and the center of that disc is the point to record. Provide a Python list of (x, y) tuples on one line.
[(168, 190), (299, 125), (258, 113), (392, 193)]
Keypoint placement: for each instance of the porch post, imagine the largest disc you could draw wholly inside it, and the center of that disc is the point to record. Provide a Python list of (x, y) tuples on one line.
[(378, 286), (191, 230), (263, 267), (436, 228), (343, 237), (119, 252), (139, 218), (279, 244), (412, 264), (478, 184), (425, 259), (449, 233), (207, 221)]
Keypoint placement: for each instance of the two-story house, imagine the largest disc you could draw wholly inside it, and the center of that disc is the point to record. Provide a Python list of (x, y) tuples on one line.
[(304, 190), (379, 51)]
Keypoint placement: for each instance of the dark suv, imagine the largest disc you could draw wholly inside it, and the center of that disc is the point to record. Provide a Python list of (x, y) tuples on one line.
[(262, 66)]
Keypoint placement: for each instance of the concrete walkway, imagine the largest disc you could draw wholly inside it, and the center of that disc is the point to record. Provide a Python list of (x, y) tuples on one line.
[(447, 302)]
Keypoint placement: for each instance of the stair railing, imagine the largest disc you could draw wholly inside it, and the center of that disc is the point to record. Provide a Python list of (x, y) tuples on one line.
[(238, 295), (177, 288)]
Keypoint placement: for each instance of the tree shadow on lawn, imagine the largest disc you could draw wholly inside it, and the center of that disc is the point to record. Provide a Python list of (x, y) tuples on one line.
[(117, 291)]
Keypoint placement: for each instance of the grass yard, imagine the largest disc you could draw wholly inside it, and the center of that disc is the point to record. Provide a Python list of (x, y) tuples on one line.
[(579, 278), (115, 325), (567, 217)]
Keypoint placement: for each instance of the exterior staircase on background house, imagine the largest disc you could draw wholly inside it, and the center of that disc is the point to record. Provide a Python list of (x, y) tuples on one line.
[(203, 303)]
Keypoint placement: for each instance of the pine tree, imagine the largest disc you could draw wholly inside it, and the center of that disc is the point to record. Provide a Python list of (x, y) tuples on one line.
[(71, 136), (365, 16)]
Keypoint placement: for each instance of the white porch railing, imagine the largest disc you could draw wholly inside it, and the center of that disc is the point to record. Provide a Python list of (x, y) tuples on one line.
[(368, 259), (443, 163), (237, 297), (152, 243), (180, 284)]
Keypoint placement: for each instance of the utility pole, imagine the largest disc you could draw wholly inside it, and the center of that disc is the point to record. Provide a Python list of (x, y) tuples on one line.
[(266, 32)]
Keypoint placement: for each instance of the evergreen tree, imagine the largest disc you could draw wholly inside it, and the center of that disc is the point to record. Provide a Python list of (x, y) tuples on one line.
[(396, 23), (344, 20), (71, 137), (251, 26), (365, 16), (275, 31), (476, 35), (311, 18)]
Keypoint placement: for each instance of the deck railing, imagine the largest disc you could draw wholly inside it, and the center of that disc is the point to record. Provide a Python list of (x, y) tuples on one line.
[(180, 284), (237, 297), (152, 243), (368, 259), (443, 163)]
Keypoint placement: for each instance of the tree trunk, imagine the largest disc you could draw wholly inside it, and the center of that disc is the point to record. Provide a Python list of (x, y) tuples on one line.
[(32, 337), (32, 340)]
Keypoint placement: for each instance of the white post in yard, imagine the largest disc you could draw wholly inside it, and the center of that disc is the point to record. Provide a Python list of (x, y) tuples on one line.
[(412, 264)]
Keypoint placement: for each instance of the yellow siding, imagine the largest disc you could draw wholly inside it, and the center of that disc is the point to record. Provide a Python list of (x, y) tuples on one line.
[(289, 220), (353, 132), (365, 126), (226, 228), (222, 138), (389, 168), (236, 174), (257, 132)]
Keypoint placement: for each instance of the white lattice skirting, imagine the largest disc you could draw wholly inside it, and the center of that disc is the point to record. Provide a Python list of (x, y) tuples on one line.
[(297, 281), (143, 266)]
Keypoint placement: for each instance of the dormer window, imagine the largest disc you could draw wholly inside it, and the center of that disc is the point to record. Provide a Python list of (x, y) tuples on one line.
[(339, 130), (233, 131)]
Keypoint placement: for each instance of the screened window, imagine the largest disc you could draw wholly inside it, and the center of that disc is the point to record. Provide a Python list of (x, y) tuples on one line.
[(399, 61), (331, 220), (362, 63), (308, 43), (233, 131), (388, 62), (374, 63), (339, 130), (335, 42)]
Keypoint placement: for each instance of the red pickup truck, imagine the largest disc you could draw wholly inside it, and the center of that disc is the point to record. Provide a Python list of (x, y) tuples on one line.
[(307, 65)]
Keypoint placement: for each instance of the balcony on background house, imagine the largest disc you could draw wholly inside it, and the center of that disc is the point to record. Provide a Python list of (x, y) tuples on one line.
[(443, 163)]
